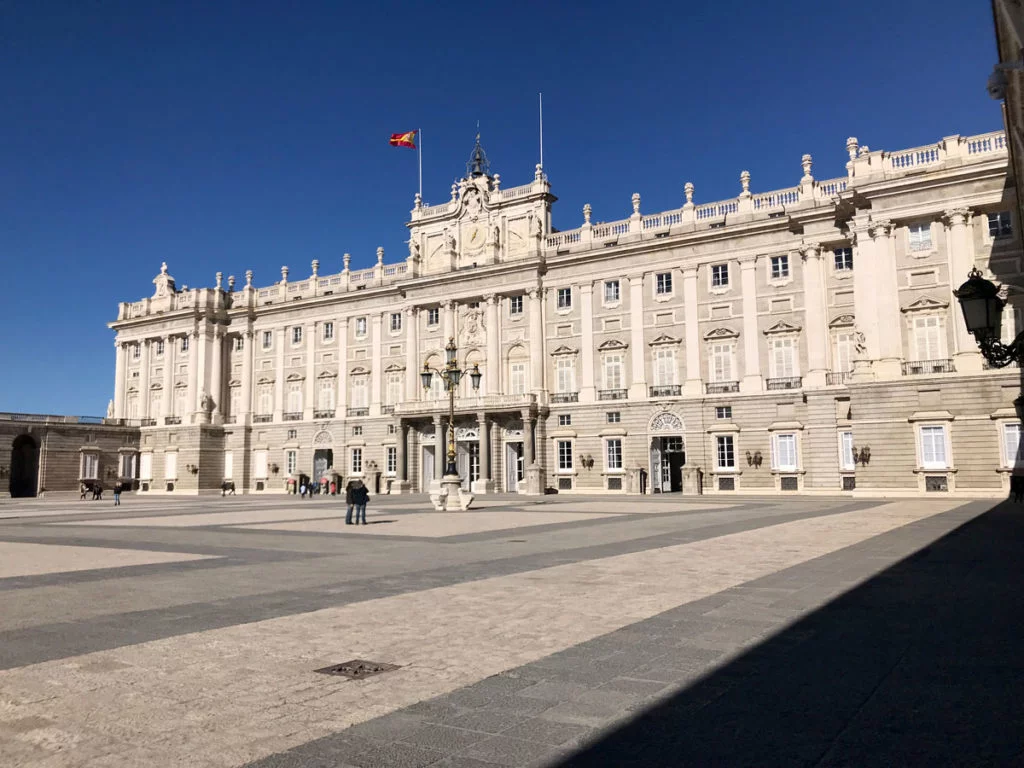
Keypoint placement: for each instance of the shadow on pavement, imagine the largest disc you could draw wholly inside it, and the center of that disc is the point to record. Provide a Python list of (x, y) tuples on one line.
[(921, 665)]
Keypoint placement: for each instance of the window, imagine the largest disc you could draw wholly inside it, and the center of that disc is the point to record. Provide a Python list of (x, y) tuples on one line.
[(920, 237), (171, 466), (663, 283), (184, 343), (784, 452), (159, 348), (391, 429), (613, 417), (565, 374), (291, 461), (846, 451), (612, 365), (928, 338), (229, 464), (357, 461), (90, 466), (357, 431), (933, 448), (360, 326), (265, 399), (396, 321), (325, 395), (564, 455), (393, 394), (295, 397), (844, 352), (564, 298), (136, 351), (268, 339), (146, 466), (328, 331), (613, 454), (719, 275), (843, 259), (517, 378), (723, 412), (259, 464), (296, 335), (515, 305), (293, 434), (565, 420), (726, 455), (783, 358), (239, 343), (360, 389), (433, 316), (1011, 445), (999, 224), (391, 460), (721, 362), (611, 291), (780, 267), (474, 305), (664, 367)]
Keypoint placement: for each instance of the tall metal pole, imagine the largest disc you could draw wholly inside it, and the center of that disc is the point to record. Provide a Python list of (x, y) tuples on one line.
[(450, 470)]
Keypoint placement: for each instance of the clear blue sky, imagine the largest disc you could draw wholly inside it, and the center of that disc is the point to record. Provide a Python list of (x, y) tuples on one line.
[(250, 135)]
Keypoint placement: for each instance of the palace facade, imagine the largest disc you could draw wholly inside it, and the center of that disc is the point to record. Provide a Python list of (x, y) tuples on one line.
[(799, 340)]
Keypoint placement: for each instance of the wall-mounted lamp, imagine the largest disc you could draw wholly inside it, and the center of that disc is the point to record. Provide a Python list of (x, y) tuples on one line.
[(5, 471), (193, 468), (274, 468), (754, 459), (109, 472), (586, 461), (863, 456)]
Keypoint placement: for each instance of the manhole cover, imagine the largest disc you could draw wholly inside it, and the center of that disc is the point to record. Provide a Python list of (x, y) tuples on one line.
[(357, 669)]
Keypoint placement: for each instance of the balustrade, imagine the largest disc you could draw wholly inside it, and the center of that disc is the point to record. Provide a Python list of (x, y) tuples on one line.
[(835, 378), (665, 390), (612, 394), (786, 382), (565, 397), (920, 367), (721, 387)]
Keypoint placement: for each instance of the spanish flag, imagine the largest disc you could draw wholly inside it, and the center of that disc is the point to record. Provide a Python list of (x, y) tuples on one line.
[(407, 139)]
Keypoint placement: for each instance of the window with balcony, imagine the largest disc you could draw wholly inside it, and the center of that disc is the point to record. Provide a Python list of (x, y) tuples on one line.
[(919, 237), (664, 367), (325, 395), (929, 341), (1000, 225), (360, 392), (663, 284), (721, 359), (843, 259), (612, 291), (295, 399), (565, 375), (725, 453), (612, 371), (844, 348), (782, 358), (265, 399), (779, 267), (564, 452), (719, 275), (515, 305), (517, 378), (393, 393)]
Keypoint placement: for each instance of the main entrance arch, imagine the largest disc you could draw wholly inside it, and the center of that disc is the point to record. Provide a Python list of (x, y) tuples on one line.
[(668, 452), (24, 466)]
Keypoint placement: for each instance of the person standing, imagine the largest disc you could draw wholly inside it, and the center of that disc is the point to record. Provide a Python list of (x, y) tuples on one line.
[(350, 502), (361, 494), (117, 494)]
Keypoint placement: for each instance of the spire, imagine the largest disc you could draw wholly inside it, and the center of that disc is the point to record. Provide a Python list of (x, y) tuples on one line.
[(478, 164)]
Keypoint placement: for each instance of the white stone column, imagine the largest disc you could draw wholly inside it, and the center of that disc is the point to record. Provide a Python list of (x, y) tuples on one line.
[(216, 375), (342, 394), (865, 307), (440, 446), (536, 334), (966, 355), (638, 351), (309, 400), (192, 400), (890, 323), (412, 361), (484, 484), (202, 352), (586, 381), (376, 322), (490, 381), (247, 362), (815, 319), (167, 396), (279, 382), (752, 381), (448, 320), (144, 381), (120, 378), (694, 384)]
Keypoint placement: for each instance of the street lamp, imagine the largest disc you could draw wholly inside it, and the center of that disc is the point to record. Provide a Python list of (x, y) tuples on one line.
[(983, 308), (451, 375)]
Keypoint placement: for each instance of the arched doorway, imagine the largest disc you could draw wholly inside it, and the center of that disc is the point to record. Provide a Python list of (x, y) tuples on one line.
[(668, 453), (24, 466)]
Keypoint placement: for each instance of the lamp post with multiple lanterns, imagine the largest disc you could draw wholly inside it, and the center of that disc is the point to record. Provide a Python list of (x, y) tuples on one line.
[(450, 375)]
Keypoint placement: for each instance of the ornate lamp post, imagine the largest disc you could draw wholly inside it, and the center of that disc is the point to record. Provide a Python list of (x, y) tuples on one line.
[(983, 308), (451, 375)]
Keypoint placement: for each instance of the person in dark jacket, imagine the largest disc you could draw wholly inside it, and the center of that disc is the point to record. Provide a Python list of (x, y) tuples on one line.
[(350, 488), (361, 495)]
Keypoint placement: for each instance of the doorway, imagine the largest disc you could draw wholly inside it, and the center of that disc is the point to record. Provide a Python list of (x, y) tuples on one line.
[(427, 465), (515, 466), (323, 460), (467, 461), (668, 456), (24, 467)]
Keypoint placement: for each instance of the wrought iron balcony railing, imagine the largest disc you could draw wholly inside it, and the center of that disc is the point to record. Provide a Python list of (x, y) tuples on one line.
[(789, 382), (262, 418), (292, 416), (171, 420), (387, 409), (834, 378), (919, 367), (665, 390), (324, 414), (358, 411), (147, 423), (565, 397), (612, 394), (721, 387)]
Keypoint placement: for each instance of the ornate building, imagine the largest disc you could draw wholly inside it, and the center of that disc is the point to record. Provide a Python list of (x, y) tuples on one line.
[(804, 339)]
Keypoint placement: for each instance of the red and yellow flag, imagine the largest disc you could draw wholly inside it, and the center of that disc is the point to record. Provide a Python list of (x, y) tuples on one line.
[(407, 139)]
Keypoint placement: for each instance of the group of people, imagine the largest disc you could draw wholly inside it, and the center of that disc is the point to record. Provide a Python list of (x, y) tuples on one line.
[(87, 487)]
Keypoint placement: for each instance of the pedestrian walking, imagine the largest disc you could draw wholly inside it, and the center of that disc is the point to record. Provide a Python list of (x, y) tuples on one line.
[(84, 489), (302, 490), (361, 495), (117, 494)]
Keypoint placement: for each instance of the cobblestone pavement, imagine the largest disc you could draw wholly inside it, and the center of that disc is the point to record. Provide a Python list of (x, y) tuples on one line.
[(573, 630)]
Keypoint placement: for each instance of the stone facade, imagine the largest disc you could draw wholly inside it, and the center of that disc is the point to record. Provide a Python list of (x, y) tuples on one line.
[(804, 339)]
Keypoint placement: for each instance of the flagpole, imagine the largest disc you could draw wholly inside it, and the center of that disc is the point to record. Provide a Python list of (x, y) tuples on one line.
[(540, 102), (419, 153)]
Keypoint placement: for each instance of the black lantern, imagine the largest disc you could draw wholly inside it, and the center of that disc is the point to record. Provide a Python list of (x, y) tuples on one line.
[(450, 350), (426, 376), (982, 307), (475, 376)]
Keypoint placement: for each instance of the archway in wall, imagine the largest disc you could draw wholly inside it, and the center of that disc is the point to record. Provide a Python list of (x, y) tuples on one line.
[(668, 452), (24, 466)]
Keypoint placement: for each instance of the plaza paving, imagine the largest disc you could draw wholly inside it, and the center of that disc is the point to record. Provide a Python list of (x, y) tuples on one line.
[(556, 631)]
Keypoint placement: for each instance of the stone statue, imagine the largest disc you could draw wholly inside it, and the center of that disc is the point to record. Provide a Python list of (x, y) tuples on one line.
[(110, 409), (538, 228), (206, 402), (414, 249), (495, 238), (860, 344), (449, 241)]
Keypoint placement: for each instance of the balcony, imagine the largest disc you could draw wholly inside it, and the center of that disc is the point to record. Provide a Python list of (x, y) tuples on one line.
[(665, 390), (262, 418), (470, 404), (565, 397), (172, 420), (721, 387), (612, 394), (387, 409), (293, 416), (358, 412), (147, 423), (920, 367), (789, 382), (837, 378), (322, 414)]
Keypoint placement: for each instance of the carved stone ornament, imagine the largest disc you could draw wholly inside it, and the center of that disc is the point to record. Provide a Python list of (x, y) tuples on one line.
[(206, 402), (473, 331), (666, 423), (467, 433), (110, 409), (323, 437), (860, 342), (164, 283)]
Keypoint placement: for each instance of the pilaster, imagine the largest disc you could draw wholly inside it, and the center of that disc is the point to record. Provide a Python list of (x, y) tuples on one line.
[(752, 380), (493, 365), (309, 403), (694, 386), (279, 382), (638, 364), (376, 322), (890, 343), (341, 404), (412, 363), (120, 376), (865, 308), (167, 396), (536, 350), (815, 320), (192, 400), (247, 362), (587, 391), (216, 375), (966, 356), (144, 392)]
